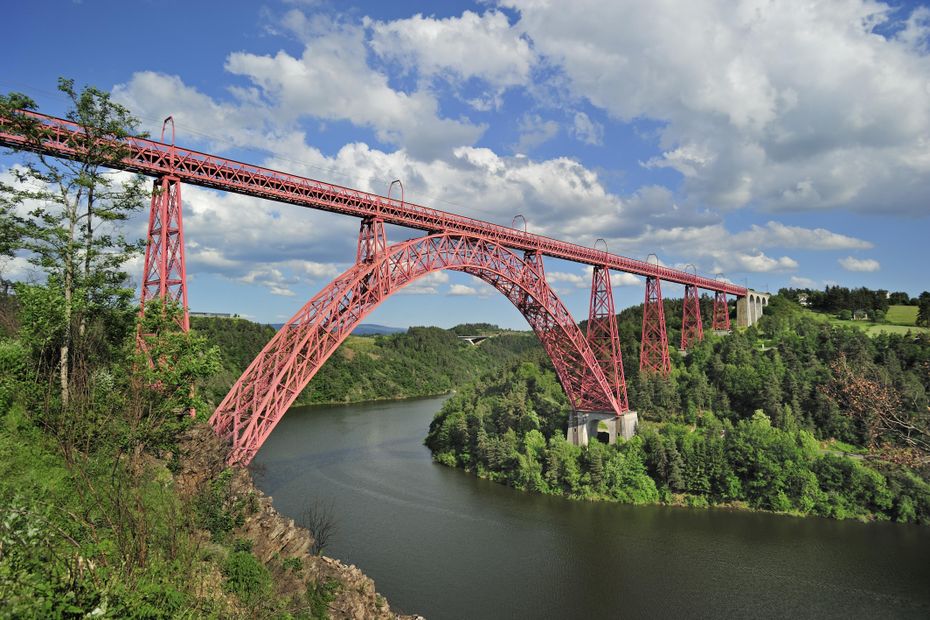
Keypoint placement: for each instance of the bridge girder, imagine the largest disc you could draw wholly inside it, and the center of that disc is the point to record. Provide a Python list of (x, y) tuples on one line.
[(590, 370)]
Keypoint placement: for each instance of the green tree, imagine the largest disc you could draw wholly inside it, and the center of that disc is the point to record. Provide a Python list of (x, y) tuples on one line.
[(923, 309), (75, 205), (11, 232)]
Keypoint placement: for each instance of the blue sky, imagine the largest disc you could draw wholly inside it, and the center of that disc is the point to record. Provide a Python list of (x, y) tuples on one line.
[(777, 143)]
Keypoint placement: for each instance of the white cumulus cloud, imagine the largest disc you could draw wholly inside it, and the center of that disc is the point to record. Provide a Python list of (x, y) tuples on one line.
[(462, 290), (850, 263), (587, 130), (802, 282), (471, 46), (791, 105)]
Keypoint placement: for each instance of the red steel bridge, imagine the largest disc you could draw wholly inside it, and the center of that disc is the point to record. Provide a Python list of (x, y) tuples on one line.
[(589, 365)]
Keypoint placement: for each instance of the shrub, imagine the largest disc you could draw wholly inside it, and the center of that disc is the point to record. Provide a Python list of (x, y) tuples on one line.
[(217, 511), (246, 577), (319, 595)]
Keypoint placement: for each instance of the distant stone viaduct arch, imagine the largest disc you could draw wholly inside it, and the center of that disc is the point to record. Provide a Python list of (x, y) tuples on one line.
[(749, 308)]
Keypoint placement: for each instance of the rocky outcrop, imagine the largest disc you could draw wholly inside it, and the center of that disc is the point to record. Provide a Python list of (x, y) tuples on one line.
[(277, 541)]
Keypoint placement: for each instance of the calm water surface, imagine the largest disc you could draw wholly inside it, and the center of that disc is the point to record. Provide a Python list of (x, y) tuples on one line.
[(444, 544)]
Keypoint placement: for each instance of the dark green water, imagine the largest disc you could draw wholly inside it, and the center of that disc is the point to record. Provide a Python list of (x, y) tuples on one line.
[(444, 544)]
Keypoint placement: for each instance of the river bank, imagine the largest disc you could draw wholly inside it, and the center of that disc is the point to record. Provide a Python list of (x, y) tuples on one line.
[(280, 544)]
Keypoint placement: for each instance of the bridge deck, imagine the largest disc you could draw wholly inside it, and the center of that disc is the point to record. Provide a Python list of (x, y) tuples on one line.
[(62, 138)]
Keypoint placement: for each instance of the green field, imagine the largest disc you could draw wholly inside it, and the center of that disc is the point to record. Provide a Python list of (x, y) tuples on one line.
[(902, 315), (873, 329), (900, 319)]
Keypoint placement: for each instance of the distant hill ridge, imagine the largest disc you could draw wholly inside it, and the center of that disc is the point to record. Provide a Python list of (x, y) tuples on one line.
[(419, 361)]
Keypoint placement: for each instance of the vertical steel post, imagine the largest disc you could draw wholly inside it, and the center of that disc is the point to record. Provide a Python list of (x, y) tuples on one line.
[(534, 259), (372, 243), (371, 240), (602, 335), (721, 312), (653, 353), (164, 273), (692, 329), (534, 274)]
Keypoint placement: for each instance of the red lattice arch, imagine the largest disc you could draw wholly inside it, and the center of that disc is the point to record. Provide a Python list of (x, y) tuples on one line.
[(289, 361)]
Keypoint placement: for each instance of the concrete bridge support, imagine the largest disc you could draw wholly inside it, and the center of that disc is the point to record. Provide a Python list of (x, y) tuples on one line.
[(584, 426), (749, 308)]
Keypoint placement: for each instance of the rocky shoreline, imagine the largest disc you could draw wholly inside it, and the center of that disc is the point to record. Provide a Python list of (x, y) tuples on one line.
[(277, 541)]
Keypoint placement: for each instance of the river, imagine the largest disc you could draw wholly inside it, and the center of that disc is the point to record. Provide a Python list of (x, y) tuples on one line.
[(442, 543)]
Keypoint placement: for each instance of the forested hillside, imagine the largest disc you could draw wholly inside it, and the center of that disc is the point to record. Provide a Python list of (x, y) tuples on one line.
[(736, 423), (422, 361)]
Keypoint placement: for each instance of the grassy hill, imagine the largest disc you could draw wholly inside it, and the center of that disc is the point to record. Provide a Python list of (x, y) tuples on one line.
[(902, 315), (899, 320)]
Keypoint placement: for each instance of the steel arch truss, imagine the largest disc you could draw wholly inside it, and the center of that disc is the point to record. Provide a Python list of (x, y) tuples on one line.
[(276, 377)]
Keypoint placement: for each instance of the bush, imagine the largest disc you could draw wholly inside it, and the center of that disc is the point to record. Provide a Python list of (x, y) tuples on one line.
[(218, 512), (246, 577), (13, 359), (320, 595)]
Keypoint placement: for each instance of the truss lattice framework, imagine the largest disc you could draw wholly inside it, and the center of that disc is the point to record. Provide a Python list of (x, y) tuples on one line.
[(602, 335), (267, 388), (721, 320), (692, 329), (653, 352), (165, 274)]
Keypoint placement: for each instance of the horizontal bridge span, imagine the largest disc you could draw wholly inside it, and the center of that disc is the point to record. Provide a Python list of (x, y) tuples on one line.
[(62, 138)]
